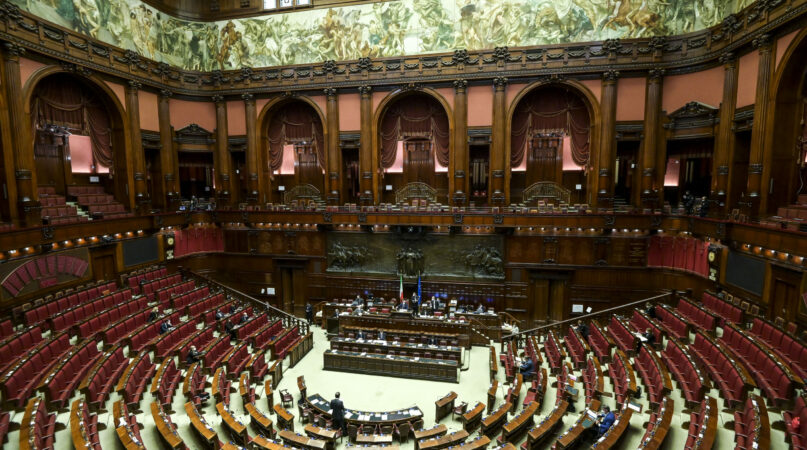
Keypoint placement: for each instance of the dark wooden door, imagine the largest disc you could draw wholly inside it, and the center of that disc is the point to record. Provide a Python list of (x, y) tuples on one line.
[(545, 160), (783, 293), (104, 267), (419, 161)]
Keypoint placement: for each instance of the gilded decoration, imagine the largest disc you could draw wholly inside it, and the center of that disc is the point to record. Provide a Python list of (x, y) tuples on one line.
[(371, 30)]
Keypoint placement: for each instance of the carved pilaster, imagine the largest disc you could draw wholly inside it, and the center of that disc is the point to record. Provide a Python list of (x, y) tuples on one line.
[(334, 156), (458, 159)]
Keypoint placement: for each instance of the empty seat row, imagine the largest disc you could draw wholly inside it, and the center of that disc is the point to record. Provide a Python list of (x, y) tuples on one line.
[(165, 294), (46, 190), (773, 377), (75, 191), (148, 287), (134, 379), (38, 427), (787, 347), (6, 329), (696, 315), (265, 336), (285, 342), (245, 330), (684, 369), (68, 220), (593, 379), (20, 380), (182, 301), (101, 378), (205, 304), (724, 310), (44, 267), (94, 199), (59, 211), (194, 382), (216, 351), (14, 346), (752, 428), (554, 354), (45, 311), (703, 425), (797, 432), (52, 200), (236, 360), (658, 425), (66, 375), (70, 317), (133, 280), (654, 374), (102, 319), (621, 334), (124, 328), (599, 342), (576, 346), (166, 381), (84, 426), (126, 424), (257, 365), (730, 377), (672, 322)]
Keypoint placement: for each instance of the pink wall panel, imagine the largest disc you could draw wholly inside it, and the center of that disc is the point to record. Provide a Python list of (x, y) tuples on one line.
[(512, 90), (236, 120), (321, 102), (377, 97), (630, 99), (480, 106), (448, 96), (782, 44), (184, 113), (747, 79), (705, 86), (118, 90), (595, 86), (27, 67), (349, 116), (148, 111)]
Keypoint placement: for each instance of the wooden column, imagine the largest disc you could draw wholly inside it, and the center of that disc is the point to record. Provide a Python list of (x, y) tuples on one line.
[(724, 146), (498, 155), (366, 169), (459, 154), (28, 211), (222, 160), (607, 159), (757, 189), (253, 168), (334, 156), (142, 201), (167, 151), (651, 192)]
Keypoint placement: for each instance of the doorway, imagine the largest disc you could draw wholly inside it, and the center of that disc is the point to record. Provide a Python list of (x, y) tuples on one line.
[(293, 286), (783, 293)]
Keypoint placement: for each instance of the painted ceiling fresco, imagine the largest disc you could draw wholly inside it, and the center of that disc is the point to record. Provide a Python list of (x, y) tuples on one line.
[(380, 29)]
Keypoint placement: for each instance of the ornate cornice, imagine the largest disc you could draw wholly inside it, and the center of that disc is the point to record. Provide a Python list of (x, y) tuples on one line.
[(329, 92), (656, 73), (610, 76), (217, 99), (166, 93), (676, 54), (365, 90), (460, 85), (248, 98), (499, 83)]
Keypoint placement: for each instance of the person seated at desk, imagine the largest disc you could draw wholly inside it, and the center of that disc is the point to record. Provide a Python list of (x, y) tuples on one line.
[(336, 313), (647, 338), (166, 326), (230, 329), (582, 329), (219, 315), (650, 310), (361, 335), (461, 309), (358, 311), (357, 301), (244, 318), (382, 335), (404, 306), (232, 309), (606, 421), (526, 367), (193, 355), (154, 314), (480, 309), (430, 340)]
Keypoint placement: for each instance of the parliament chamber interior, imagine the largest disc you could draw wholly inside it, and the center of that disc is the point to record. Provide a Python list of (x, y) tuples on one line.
[(403, 224)]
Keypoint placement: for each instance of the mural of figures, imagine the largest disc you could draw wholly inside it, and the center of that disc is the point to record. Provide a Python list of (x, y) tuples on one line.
[(378, 29)]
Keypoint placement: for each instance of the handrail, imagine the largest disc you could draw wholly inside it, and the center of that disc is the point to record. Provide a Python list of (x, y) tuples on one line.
[(607, 311), (506, 317), (287, 318)]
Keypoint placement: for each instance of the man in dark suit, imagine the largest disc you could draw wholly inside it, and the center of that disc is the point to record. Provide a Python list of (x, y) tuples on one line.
[(154, 314), (338, 414), (193, 355), (582, 328), (309, 313), (526, 367), (166, 326)]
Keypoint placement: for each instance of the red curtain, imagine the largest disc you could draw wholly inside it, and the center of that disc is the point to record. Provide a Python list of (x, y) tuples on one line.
[(67, 102), (296, 122), (195, 240), (414, 116), (550, 109)]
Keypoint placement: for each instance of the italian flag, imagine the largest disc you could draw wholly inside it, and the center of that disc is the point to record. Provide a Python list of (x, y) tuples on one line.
[(400, 289)]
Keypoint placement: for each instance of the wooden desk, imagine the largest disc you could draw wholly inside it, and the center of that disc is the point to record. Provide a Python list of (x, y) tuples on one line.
[(199, 424), (411, 414), (439, 328), (374, 447), (448, 440), (494, 364), (444, 406), (543, 430), (285, 419), (569, 439), (494, 386), (267, 444), (128, 440), (301, 386), (471, 418), (259, 420), (300, 441), (492, 423), (129, 437), (480, 443), (396, 366), (168, 431), (323, 434), (276, 370), (370, 439), (430, 433), (270, 397), (238, 431), (399, 347), (513, 430), (78, 430)]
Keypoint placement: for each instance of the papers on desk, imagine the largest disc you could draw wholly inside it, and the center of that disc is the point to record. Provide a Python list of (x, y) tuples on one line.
[(414, 412), (384, 416), (591, 414), (417, 358), (363, 353), (389, 356)]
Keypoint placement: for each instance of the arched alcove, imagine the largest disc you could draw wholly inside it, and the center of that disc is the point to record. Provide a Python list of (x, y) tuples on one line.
[(414, 137)]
